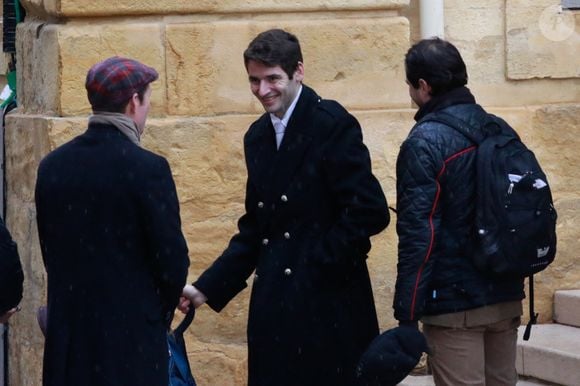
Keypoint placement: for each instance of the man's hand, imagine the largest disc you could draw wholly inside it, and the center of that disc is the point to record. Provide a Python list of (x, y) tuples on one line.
[(4, 318), (189, 296)]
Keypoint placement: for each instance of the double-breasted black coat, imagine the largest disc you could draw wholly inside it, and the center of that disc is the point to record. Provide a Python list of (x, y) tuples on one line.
[(115, 257), (311, 207)]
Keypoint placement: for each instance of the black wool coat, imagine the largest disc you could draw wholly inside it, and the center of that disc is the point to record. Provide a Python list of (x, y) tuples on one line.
[(115, 257), (11, 275), (311, 207)]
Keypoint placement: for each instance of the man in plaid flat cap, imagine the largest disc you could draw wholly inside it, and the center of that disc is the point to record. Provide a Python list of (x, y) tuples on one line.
[(110, 235)]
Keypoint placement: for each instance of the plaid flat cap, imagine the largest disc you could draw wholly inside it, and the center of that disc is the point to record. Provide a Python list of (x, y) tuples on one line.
[(113, 81)]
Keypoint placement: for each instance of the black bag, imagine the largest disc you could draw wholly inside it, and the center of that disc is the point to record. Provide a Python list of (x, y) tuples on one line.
[(179, 369), (11, 275), (390, 357), (515, 223)]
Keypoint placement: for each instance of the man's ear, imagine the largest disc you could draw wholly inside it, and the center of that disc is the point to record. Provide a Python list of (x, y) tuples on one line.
[(299, 72), (424, 87), (132, 104)]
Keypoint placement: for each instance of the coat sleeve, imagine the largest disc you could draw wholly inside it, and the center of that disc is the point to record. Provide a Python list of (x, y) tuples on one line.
[(418, 219), (167, 248), (227, 276), (11, 275), (362, 206)]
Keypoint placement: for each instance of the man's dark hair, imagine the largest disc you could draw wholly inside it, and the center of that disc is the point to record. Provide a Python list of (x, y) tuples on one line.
[(120, 108), (275, 47), (438, 63)]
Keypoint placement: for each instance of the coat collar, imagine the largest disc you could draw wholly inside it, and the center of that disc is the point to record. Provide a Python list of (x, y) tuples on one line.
[(457, 96), (274, 168)]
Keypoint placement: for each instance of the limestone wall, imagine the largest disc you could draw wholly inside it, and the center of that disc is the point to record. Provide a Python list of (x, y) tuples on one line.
[(201, 107)]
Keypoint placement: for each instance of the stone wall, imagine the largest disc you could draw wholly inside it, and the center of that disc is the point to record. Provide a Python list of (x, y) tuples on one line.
[(201, 107)]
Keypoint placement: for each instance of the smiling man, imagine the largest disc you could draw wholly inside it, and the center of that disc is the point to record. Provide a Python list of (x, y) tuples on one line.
[(312, 203)]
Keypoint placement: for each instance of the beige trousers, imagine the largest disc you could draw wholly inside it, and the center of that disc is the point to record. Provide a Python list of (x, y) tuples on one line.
[(476, 356)]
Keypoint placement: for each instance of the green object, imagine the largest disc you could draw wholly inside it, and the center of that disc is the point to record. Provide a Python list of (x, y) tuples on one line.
[(17, 11), (11, 77)]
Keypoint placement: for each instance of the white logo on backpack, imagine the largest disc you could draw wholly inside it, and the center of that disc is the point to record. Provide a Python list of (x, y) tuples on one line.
[(539, 184)]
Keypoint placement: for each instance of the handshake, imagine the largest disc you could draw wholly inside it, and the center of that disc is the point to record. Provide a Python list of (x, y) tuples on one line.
[(190, 296), (4, 317)]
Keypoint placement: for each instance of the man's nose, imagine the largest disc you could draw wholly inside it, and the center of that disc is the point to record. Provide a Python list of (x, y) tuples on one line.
[(263, 88)]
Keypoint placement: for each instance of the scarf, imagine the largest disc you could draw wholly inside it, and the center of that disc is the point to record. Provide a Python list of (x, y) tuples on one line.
[(122, 122)]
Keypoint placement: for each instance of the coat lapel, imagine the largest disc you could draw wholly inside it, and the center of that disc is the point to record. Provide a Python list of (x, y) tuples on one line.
[(261, 154), (297, 139), (275, 168)]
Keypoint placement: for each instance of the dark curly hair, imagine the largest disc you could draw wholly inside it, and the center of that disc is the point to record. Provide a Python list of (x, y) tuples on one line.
[(275, 47), (438, 62)]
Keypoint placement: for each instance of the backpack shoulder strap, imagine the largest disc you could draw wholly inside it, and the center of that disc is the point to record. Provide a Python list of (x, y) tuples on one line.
[(493, 126), (533, 315), (455, 123)]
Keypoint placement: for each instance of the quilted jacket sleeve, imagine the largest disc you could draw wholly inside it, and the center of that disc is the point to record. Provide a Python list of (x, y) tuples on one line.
[(419, 167)]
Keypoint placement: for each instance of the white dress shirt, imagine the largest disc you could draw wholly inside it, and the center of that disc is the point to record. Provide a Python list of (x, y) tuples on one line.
[(280, 124)]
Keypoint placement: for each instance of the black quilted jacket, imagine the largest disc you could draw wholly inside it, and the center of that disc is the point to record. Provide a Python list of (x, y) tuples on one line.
[(435, 210)]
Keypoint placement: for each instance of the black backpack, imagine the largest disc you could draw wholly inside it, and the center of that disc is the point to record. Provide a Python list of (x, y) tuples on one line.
[(515, 218), (11, 275)]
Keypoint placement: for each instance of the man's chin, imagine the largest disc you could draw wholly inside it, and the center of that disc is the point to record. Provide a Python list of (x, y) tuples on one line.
[(272, 109)]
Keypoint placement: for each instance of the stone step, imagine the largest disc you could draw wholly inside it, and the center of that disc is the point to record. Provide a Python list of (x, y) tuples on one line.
[(427, 380), (552, 354), (567, 307)]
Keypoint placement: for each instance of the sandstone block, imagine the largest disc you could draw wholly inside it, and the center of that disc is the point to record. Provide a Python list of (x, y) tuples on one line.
[(541, 40), (478, 30), (473, 20), (26, 141), (75, 8), (530, 92), (555, 140), (37, 67), (209, 77), (205, 72), (25, 363), (81, 46), (224, 364), (54, 60), (206, 156)]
